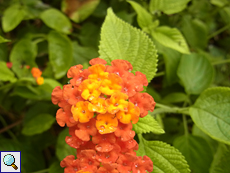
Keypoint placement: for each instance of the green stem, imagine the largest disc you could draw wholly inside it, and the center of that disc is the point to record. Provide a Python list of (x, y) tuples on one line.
[(8, 131), (219, 31), (160, 74), (221, 62), (167, 109), (39, 40)]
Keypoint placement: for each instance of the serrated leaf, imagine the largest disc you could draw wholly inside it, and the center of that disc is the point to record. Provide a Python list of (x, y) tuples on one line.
[(144, 18), (5, 73), (165, 157), (3, 40), (60, 53), (168, 6), (148, 124), (23, 53), (62, 148), (170, 37), (38, 124), (195, 72), (12, 16), (197, 152), (221, 160), (56, 20), (79, 10), (211, 113), (119, 40)]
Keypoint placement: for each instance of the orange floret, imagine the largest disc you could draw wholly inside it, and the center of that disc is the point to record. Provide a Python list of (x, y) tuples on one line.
[(89, 89), (40, 80), (106, 123), (117, 102), (132, 114), (81, 171), (36, 72), (98, 105), (81, 113), (97, 61), (97, 72), (111, 85)]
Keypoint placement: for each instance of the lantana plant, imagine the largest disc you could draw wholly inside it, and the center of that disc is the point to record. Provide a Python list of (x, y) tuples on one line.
[(99, 106)]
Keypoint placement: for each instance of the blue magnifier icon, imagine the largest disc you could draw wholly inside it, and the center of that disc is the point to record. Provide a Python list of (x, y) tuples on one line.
[(9, 160)]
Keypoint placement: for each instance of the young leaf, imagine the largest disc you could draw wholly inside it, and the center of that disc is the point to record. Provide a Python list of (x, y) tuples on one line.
[(5, 73), (38, 124), (56, 20), (60, 53), (2, 40), (211, 113), (165, 157), (168, 6), (170, 37), (144, 18), (12, 16), (23, 53), (62, 148), (221, 160), (192, 147), (119, 40), (195, 72), (148, 124), (79, 10)]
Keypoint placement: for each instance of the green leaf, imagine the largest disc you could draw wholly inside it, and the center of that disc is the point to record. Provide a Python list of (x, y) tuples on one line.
[(165, 157), (219, 3), (56, 168), (5, 73), (195, 32), (119, 40), (38, 124), (79, 11), (56, 20), (144, 18), (195, 72), (3, 52), (148, 124), (168, 6), (197, 152), (225, 14), (175, 97), (23, 53), (12, 16), (60, 53), (62, 148), (2, 40), (172, 60), (170, 37), (211, 113), (221, 160)]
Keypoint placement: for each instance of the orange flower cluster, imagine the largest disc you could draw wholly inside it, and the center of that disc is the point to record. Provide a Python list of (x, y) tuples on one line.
[(99, 106), (36, 72)]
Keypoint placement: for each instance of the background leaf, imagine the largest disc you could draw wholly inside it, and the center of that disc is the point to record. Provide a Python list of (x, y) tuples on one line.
[(147, 124), (159, 152), (119, 40), (192, 147), (12, 17), (195, 72), (38, 124), (2, 40), (60, 53), (211, 113), (170, 37), (56, 20), (5, 73)]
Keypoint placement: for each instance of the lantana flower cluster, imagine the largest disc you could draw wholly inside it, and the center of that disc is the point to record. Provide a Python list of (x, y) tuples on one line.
[(99, 106), (37, 74)]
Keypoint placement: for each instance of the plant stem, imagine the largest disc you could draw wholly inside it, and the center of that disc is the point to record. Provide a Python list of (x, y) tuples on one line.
[(162, 73), (219, 31), (167, 109), (8, 131), (221, 62)]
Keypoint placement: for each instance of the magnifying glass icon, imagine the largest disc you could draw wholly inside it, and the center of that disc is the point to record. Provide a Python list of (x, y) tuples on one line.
[(9, 160)]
